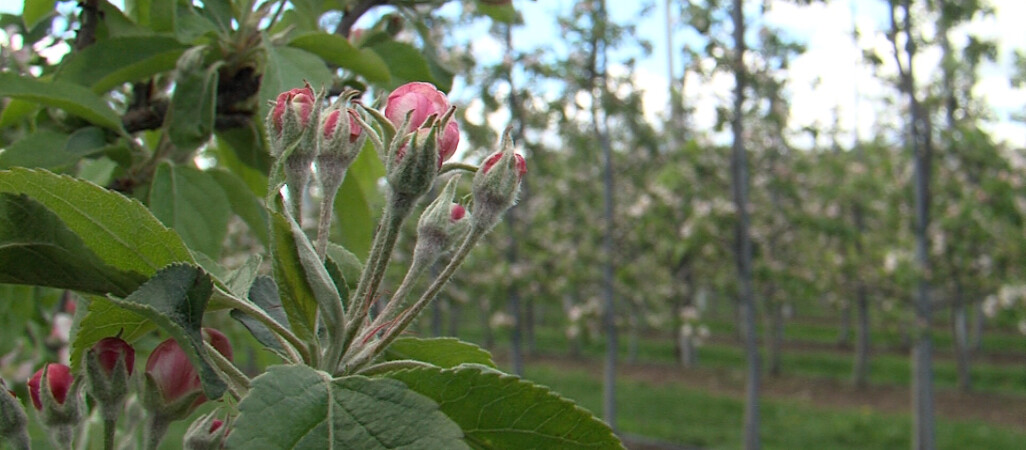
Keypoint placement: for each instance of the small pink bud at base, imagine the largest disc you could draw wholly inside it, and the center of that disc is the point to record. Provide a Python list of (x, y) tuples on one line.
[(458, 212), (59, 380)]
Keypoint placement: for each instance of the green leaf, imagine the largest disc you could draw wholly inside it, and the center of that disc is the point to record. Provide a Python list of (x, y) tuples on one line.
[(288, 68), (297, 297), (70, 97), (442, 352), (303, 277), (162, 15), (348, 264), (337, 50), (500, 411), (264, 293), (245, 204), (297, 407), (121, 231), (125, 59), (34, 11), (39, 149), (53, 150), (106, 319), (175, 299), (407, 63), (243, 152), (356, 202), (190, 116), (17, 110), (192, 202), (499, 11), (36, 248)]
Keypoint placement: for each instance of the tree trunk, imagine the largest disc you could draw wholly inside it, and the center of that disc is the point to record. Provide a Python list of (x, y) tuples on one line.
[(861, 366), (977, 331), (844, 334), (455, 308), (775, 337), (688, 353), (529, 322), (960, 335), (739, 166), (920, 133), (487, 338)]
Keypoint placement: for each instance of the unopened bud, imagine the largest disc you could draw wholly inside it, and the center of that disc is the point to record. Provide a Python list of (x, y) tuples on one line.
[(413, 168), (109, 364), (54, 393), (340, 141), (172, 385), (206, 433), (442, 222), (497, 183)]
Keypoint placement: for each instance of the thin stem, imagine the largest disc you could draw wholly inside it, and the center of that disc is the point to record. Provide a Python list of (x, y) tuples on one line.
[(373, 272), (109, 430), (63, 436), (407, 317), (451, 166), (297, 346), (416, 268), (156, 428), (329, 185), (237, 381)]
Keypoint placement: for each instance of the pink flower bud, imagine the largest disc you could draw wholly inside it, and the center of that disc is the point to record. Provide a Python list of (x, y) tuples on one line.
[(419, 99), (217, 423), (111, 349), (300, 100), (447, 141), (458, 212), (173, 372), (59, 380), (520, 163), (331, 123)]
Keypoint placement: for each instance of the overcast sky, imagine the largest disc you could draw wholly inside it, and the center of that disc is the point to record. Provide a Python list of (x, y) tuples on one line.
[(827, 77)]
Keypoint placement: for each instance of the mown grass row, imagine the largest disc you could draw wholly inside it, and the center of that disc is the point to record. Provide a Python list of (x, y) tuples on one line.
[(676, 413), (886, 368)]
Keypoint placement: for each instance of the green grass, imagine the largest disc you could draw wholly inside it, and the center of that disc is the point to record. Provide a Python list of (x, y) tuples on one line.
[(886, 368), (676, 413)]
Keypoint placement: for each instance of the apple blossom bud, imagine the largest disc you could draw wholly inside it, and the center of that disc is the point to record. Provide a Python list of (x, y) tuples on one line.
[(497, 183), (173, 387), (206, 433), (339, 142), (419, 99), (58, 383), (442, 222), (111, 350), (413, 169), (109, 364), (290, 118), (54, 393)]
